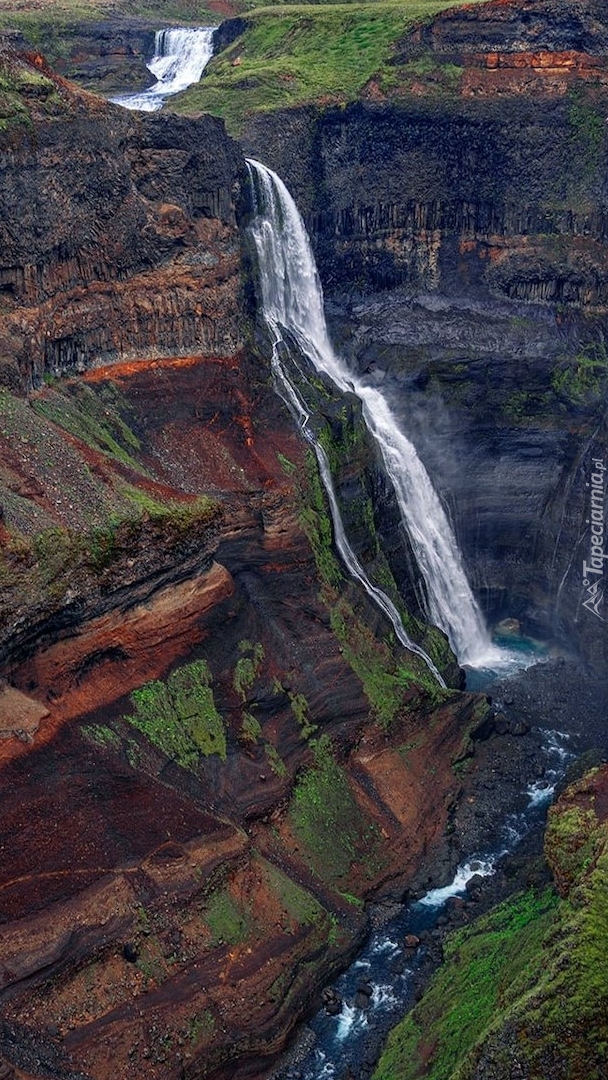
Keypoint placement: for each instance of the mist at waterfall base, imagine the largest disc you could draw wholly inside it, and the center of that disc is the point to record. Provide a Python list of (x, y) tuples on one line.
[(292, 304), (181, 55)]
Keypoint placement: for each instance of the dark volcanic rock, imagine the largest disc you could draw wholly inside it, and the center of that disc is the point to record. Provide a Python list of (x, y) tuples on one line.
[(106, 56), (113, 209)]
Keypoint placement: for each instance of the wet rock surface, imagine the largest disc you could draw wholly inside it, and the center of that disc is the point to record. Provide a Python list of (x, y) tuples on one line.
[(191, 922), (495, 781), (470, 288)]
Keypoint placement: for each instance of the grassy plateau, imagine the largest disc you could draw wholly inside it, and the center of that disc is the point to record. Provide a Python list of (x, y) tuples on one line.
[(291, 54)]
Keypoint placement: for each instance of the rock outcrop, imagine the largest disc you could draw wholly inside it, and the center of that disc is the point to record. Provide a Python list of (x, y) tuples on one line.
[(126, 239)]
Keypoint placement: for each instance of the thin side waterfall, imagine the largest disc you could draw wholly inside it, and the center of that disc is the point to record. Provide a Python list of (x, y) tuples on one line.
[(294, 402), (293, 302), (181, 55)]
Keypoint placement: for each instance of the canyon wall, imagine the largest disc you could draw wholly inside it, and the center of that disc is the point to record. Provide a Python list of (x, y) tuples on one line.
[(126, 238), (458, 214), (212, 751)]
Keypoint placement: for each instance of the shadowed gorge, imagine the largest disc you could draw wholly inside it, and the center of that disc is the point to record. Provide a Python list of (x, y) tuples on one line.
[(222, 762), (459, 232)]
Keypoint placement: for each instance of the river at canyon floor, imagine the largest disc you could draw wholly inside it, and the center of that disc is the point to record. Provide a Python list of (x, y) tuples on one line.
[(549, 723)]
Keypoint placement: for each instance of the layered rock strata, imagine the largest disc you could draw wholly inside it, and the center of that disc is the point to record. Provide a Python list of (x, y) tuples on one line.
[(126, 239), (212, 751)]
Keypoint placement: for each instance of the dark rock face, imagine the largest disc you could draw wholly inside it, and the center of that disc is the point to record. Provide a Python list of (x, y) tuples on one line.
[(476, 386), (113, 211), (517, 25), (495, 181), (106, 56), (436, 196)]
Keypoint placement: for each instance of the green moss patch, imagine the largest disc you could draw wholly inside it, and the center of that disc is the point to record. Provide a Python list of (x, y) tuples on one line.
[(94, 417), (300, 905), (583, 380), (101, 735), (229, 922), (179, 716), (328, 821), (247, 667), (316, 523), (386, 682)]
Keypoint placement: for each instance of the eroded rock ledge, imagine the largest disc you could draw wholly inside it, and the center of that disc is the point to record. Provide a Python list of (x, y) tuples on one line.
[(126, 240), (173, 899)]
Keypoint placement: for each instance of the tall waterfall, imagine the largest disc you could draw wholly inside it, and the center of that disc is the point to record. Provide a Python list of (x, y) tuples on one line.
[(181, 55), (293, 301)]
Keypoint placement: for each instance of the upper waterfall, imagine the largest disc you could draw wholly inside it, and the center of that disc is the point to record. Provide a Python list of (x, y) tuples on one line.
[(181, 55), (293, 300)]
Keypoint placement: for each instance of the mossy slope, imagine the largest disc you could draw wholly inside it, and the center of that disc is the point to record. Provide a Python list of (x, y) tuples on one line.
[(524, 991), (290, 55)]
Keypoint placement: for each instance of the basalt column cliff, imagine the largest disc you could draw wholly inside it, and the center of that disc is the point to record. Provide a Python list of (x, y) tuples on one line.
[(458, 212)]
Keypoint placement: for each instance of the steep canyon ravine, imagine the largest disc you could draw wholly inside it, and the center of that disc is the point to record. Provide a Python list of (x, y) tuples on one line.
[(292, 307), (292, 303)]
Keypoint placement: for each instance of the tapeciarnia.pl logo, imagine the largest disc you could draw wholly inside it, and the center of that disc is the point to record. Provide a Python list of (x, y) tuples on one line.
[(593, 570)]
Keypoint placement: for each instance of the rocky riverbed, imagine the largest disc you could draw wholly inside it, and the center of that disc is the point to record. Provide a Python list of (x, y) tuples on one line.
[(547, 726)]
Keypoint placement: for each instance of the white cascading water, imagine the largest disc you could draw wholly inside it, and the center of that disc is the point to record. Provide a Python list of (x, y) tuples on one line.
[(181, 55), (293, 301), (275, 276)]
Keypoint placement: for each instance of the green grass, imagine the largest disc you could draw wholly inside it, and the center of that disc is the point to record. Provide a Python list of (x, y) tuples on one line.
[(251, 729), (528, 982), (327, 820), (300, 905), (93, 417), (292, 54), (179, 716), (229, 923), (275, 760), (481, 962), (101, 735), (299, 708), (16, 84), (176, 518)]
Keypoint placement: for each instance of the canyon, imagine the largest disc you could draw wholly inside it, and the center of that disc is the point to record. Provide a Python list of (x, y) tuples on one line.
[(216, 758)]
